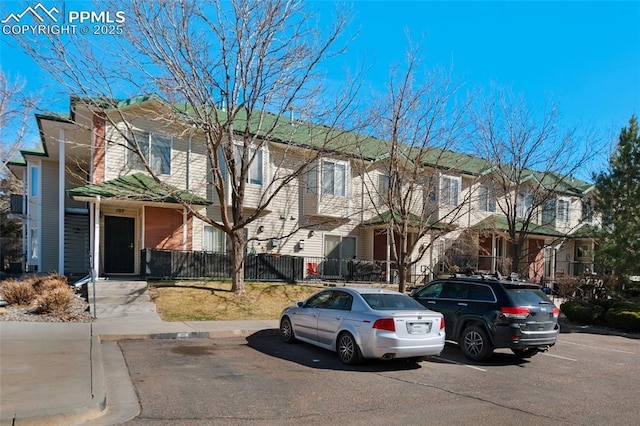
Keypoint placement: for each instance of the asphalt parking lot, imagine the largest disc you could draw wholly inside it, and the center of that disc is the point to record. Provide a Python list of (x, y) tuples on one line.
[(586, 379)]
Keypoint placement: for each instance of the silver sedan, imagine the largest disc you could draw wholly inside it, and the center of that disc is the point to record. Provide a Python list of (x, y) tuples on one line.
[(362, 323)]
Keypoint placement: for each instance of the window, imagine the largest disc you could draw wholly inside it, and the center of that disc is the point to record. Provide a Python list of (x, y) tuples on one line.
[(587, 211), (525, 203), (255, 169), (481, 293), (312, 178), (387, 185), (430, 190), (340, 301), (431, 292), (383, 188), (487, 198), (319, 300), (214, 240), (449, 191), (254, 174), (549, 212), (563, 210), (337, 247), (156, 150), (334, 178), (35, 188)]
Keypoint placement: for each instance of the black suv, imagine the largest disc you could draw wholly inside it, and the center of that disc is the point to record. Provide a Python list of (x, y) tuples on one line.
[(485, 313)]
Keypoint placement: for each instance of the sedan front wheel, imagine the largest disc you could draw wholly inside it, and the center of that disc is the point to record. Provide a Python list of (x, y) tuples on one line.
[(286, 331)]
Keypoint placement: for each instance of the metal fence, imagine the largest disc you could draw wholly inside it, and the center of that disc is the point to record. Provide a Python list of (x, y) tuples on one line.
[(11, 254), (172, 264)]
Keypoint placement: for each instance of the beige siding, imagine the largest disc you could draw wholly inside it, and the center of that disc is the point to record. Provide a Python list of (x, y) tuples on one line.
[(50, 217)]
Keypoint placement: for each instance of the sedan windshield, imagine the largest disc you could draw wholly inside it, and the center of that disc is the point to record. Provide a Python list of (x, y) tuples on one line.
[(391, 302)]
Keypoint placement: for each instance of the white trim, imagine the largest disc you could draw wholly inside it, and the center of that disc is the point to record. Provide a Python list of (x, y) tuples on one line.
[(61, 198), (95, 237), (35, 203)]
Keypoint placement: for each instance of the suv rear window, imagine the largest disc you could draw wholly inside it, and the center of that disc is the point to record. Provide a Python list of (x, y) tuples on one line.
[(527, 296)]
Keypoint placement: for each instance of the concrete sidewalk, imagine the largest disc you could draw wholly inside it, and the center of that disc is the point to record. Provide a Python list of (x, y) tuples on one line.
[(74, 373)]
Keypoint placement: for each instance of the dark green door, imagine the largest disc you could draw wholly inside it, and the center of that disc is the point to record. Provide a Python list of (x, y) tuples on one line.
[(119, 245)]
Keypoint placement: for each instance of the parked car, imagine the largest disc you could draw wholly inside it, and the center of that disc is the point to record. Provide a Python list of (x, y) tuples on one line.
[(486, 313), (362, 323)]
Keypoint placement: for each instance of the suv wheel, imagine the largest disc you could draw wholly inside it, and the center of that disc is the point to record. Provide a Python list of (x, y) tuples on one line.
[(475, 343)]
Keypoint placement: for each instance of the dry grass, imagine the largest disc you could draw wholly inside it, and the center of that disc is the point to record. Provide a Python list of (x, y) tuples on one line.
[(214, 301)]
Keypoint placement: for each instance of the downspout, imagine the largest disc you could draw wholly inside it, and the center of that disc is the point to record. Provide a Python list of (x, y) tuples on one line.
[(188, 169), (61, 198), (95, 258), (26, 223)]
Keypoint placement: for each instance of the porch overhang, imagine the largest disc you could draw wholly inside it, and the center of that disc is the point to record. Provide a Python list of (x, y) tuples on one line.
[(395, 217), (136, 189), (499, 223), (585, 232)]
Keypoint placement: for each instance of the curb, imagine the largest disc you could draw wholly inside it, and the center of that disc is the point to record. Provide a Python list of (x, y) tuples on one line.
[(185, 335)]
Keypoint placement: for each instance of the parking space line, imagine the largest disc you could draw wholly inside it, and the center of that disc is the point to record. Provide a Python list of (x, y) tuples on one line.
[(561, 357), (450, 361), (599, 347)]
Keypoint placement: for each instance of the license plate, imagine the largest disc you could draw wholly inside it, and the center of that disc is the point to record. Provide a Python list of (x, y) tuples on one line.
[(418, 327)]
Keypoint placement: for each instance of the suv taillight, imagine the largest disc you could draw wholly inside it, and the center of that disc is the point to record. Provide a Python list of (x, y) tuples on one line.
[(385, 324), (442, 323), (516, 312), (556, 312)]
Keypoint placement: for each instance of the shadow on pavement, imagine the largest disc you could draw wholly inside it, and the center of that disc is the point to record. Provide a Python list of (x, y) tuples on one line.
[(268, 342)]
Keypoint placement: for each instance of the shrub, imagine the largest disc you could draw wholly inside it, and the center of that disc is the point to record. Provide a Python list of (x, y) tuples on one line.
[(582, 312), (624, 317), (58, 300), (43, 285), (16, 292)]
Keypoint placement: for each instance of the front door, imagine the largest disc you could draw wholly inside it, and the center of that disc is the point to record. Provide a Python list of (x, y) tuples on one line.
[(119, 245)]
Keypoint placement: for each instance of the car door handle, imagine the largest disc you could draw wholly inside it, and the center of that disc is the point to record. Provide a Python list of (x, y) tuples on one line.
[(339, 317), (462, 304), (431, 302)]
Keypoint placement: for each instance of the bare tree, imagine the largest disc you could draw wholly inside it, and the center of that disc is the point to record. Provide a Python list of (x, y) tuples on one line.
[(14, 108), (530, 161), (229, 75), (420, 122)]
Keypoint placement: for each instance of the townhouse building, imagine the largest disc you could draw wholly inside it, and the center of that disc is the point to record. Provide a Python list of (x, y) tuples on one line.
[(89, 204)]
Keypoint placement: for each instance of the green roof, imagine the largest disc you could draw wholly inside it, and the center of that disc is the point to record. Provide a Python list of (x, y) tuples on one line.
[(281, 128), (499, 222), (137, 187), (586, 231), (395, 216)]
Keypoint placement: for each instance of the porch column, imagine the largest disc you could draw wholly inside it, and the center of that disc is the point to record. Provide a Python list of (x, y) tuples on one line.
[(185, 220), (95, 237), (494, 254), (61, 198), (388, 257)]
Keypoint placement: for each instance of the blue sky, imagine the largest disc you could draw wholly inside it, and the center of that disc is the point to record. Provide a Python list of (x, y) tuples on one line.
[(585, 55)]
